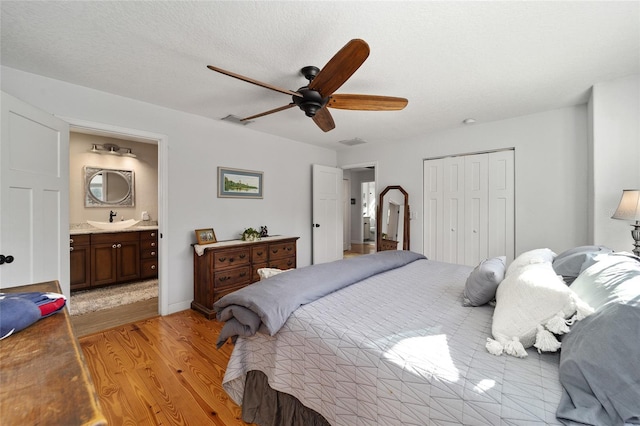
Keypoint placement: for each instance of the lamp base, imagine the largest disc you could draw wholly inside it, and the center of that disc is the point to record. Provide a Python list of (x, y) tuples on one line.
[(635, 234)]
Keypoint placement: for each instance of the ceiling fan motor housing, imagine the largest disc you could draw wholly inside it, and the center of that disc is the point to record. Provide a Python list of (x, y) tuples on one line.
[(310, 102)]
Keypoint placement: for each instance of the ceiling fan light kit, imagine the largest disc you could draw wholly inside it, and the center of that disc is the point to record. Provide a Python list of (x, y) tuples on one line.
[(316, 97)]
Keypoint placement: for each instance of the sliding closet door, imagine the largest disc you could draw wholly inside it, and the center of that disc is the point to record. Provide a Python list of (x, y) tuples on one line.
[(501, 205), (469, 207), (476, 205)]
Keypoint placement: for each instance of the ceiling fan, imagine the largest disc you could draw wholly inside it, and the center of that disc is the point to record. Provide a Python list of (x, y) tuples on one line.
[(318, 95)]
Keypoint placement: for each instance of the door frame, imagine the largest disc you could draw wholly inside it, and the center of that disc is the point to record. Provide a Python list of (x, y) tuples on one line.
[(161, 141), (373, 164)]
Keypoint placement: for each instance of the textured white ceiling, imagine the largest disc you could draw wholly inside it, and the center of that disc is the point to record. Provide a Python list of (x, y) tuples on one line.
[(452, 60)]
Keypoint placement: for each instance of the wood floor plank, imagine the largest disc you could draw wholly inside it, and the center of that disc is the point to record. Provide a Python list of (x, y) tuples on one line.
[(162, 371)]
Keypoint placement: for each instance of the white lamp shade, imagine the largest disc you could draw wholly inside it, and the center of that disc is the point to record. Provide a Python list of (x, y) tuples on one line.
[(629, 206)]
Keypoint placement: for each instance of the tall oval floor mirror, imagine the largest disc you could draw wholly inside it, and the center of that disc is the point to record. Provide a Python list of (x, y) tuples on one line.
[(392, 226)]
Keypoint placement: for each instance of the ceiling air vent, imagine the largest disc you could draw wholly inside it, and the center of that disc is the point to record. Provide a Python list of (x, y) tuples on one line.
[(352, 142), (237, 120)]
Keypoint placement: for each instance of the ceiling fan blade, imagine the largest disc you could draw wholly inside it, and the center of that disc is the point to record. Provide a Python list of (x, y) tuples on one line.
[(271, 111), (366, 102), (324, 120), (340, 67), (252, 81)]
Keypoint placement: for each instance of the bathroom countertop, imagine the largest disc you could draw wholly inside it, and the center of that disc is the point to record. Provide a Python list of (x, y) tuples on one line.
[(85, 228)]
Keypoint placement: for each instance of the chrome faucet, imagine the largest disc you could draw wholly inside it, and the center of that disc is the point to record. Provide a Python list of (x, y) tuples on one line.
[(111, 215)]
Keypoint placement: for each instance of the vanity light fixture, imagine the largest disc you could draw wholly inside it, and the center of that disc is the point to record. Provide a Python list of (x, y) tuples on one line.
[(112, 149)]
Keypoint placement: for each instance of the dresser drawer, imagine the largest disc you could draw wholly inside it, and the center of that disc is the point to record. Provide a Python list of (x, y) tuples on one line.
[(149, 268), (149, 235), (220, 293), (148, 244), (259, 254), (232, 277), (231, 258), (287, 263), (79, 240), (282, 250), (149, 253)]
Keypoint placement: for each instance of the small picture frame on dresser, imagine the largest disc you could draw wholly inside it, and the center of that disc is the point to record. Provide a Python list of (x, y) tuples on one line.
[(205, 236)]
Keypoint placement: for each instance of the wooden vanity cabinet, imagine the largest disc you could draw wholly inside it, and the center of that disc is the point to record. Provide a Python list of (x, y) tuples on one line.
[(228, 266), (148, 254), (115, 257), (80, 258)]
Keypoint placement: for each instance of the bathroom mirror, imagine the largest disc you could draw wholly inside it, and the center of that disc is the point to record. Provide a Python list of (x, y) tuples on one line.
[(108, 187), (393, 219)]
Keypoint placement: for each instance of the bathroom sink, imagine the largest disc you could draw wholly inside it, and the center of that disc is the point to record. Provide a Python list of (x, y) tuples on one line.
[(115, 225)]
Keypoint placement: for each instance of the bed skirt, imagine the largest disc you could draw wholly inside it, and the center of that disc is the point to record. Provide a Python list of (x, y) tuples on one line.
[(267, 407)]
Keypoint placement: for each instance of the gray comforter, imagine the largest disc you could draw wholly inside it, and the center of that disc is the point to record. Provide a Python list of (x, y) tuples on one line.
[(266, 305)]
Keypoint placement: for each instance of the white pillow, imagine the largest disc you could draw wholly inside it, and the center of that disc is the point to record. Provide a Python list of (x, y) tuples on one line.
[(265, 273), (532, 302), (532, 256)]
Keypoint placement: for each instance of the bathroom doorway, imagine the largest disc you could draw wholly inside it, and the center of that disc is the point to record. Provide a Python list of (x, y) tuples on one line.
[(142, 153), (360, 211)]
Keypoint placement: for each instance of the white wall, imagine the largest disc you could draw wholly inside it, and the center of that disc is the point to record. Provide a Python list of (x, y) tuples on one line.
[(615, 157), (196, 147), (551, 172)]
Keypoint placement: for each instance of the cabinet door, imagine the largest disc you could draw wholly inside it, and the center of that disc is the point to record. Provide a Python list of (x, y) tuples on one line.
[(103, 263), (80, 261), (128, 261)]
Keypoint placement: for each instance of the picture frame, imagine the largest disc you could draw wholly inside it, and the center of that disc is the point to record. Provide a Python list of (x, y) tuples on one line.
[(206, 236), (239, 183)]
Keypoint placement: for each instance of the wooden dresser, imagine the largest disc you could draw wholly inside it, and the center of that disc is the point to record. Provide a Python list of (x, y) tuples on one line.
[(227, 266), (44, 379)]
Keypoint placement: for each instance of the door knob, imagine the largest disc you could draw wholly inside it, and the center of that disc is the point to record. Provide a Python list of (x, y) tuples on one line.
[(5, 259), (317, 225)]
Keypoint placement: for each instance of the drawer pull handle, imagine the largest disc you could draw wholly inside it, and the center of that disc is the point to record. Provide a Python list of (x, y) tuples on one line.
[(243, 274), (259, 253), (289, 248), (114, 246), (153, 267), (230, 259), (222, 259), (119, 245), (242, 256), (274, 251), (223, 279)]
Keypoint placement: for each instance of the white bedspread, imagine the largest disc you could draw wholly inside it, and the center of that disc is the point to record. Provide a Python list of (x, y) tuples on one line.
[(399, 348)]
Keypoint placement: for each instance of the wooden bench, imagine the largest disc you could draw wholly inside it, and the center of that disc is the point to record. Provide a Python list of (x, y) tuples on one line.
[(43, 375)]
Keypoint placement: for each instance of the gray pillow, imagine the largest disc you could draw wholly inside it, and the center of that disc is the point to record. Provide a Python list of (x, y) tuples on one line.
[(483, 281), (599, 368), (570, 263)]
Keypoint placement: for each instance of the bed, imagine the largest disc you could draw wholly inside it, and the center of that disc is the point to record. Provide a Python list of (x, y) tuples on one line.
[(397, 347)]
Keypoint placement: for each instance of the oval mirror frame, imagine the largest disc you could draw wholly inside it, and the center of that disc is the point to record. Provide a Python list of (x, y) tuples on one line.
[(388, 244), (98, 192)]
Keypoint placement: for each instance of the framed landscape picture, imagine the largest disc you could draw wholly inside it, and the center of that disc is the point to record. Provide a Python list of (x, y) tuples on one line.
[(237, 183)]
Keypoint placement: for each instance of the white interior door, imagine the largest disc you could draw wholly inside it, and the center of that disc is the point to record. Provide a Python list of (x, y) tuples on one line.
[(34, 196), (327, 213)]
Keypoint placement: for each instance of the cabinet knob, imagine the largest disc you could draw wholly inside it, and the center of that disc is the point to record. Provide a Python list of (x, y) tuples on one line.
[(114, 246), (70, 248), (153, 234), (70, 240), (119, 245), (153, 267), (153, 244), (153, 253)]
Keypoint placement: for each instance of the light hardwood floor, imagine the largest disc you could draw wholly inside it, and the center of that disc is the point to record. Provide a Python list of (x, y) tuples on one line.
[(360, 249), (162, 371)]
